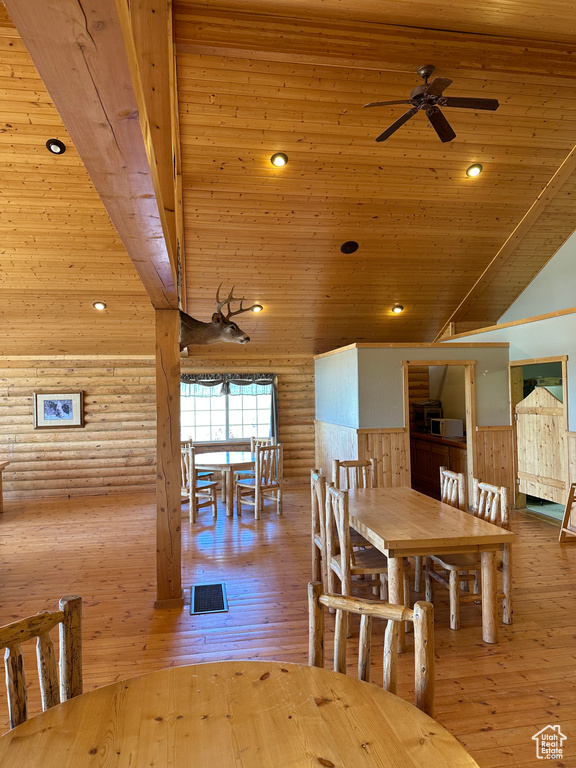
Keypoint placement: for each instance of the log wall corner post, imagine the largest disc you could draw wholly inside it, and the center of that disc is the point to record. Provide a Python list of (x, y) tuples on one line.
[(169, 515)]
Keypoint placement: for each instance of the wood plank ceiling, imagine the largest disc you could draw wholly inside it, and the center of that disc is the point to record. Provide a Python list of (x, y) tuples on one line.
[(292, 76)]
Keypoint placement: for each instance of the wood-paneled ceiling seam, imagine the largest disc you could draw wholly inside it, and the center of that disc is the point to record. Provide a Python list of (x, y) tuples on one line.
[(79, 52), (505, 255)]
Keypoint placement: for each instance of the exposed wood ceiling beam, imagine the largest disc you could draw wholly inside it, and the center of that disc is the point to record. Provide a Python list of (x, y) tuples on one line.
[(78, 49), (353, 45)]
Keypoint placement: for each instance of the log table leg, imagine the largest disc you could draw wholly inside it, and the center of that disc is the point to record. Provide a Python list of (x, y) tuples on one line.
[(396, 593), (489, 598)]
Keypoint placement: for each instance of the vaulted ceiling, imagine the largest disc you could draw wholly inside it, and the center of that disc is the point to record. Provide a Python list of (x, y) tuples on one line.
[(266, 76)]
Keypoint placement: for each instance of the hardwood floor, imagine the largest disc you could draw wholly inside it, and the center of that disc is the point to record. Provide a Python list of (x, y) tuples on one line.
[(493, 698)]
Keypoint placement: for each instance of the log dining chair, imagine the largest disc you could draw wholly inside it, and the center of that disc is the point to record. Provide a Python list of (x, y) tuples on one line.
[(422, 617), (318, 521), (241, 474), (204, 474), (57, 682), (268, 480), (342, 560), (453, 492), (199, 492), (456, 572), (355, 473)]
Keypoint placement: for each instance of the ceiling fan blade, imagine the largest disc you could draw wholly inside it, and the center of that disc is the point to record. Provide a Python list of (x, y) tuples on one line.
[(437, 86), (440, 124), (386, 103), (465, 103), (394, 127)]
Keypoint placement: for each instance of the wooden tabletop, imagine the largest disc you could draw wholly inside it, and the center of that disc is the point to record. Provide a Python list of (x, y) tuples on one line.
[(224, 459), (403, 519), (235, 714)]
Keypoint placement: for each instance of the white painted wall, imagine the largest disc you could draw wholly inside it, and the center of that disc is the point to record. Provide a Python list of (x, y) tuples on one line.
[(447, 384), (364, 388), (552, 289), (545, 338), (336, 386)]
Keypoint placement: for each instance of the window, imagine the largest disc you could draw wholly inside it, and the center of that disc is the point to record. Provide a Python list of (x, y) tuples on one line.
[(220, 409)]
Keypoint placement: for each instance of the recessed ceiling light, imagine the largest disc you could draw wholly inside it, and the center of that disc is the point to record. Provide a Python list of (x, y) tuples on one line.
[(257, 308), (279, 159), (474, 170), (99, 305), (55, 146), (350, 246), (397, 308)]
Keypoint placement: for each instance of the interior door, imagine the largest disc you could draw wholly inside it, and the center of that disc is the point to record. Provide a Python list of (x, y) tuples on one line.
[(541, 447)]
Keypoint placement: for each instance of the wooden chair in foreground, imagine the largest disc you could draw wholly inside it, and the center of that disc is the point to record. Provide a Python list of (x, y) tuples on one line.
[(568, 529), (453, 492), (268, 480), (422, 617), (52, 690), (457, 571), (200, 493)]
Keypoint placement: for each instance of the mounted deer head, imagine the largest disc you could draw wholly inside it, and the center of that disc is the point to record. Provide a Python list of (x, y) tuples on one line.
[(219, 330)]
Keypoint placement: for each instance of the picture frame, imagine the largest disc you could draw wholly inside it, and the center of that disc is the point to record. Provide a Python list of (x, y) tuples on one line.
[(58, 410)]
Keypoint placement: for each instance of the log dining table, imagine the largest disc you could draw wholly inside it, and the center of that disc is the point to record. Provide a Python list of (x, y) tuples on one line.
[(402, 522), (226, 462), (234, 714)]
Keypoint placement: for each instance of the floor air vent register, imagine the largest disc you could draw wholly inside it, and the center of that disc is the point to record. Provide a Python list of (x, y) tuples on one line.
[(208, 598)]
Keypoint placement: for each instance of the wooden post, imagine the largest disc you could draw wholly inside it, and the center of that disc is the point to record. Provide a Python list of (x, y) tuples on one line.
[(70, 647), (169, 514)]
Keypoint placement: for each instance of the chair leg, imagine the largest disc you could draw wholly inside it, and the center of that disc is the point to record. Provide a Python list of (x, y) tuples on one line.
[(214, 499), (238, 500), (428, 582), (454, 586), (418, 574), (279, 501), (257, 501)]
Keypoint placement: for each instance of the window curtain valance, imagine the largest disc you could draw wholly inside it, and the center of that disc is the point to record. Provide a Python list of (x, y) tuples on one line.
[(218, 384)]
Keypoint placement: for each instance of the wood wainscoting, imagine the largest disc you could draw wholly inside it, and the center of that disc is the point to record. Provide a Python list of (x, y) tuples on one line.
[(493, 445), (495, 456), (390, 446)]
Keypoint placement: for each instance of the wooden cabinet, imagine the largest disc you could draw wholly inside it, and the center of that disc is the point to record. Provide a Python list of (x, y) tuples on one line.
[(427, 454)]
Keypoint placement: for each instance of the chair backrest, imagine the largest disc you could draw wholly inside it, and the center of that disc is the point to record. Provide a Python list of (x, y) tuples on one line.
[(52, 691), (357, 473), (422, 617), (269, 464), (257, 441), (318, 502), (453, 488), (490, 502), (185, 466), (337, 530)]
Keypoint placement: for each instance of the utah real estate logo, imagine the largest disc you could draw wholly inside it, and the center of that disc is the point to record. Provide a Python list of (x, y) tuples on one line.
[(549, 743)]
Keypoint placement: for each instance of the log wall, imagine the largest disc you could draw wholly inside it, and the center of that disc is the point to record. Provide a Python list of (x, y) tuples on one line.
[(116, 450)]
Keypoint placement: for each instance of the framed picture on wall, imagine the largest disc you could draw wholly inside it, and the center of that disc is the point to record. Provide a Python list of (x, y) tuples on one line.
[(58, 410)]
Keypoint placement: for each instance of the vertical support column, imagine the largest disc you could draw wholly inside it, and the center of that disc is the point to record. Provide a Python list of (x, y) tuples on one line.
[(169, 514)]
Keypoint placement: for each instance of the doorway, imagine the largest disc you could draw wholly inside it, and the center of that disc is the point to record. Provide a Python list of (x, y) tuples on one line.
[(432, 389), (539, 418)]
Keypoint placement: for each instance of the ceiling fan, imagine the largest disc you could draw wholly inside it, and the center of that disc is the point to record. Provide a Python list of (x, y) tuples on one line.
[(430, 98)]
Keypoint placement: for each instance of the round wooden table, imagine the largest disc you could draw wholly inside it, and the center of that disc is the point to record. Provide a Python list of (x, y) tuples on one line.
[(234, 714), (226, 462)]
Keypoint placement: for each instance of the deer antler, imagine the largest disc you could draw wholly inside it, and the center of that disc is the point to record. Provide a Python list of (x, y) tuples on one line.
[(229, 300)]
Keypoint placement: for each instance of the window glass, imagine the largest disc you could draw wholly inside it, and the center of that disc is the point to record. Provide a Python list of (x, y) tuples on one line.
[(208, 415)]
